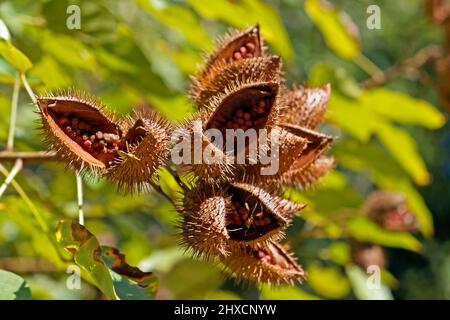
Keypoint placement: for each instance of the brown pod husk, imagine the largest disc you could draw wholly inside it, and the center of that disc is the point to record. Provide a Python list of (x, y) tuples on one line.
[(304, 177), (225, 49), (318, 143), (213, 223), (207, 161), (389, 210), (290, 146), (268, 263), (261, 69), (145, 147), (67, 119), (305, 107), (203, 225), (367, 254)]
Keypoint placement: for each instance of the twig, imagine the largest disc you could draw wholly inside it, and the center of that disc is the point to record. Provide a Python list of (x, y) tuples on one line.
[(32, 156), (28, 88), (369, 67), (176, 177), (18, 165), (27, 264), (40, 220), (13, 115), (161, 192), (80, 197), (407, 68)]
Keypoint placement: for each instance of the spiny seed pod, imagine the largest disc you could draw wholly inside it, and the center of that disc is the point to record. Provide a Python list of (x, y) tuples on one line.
[(201, 155), (268, 263), (256, 215), (390, 211), (143, 149), (244, 106), (236, 46), (262, 69), (303, 177), (367, 254), (285, 148), (75, 125), (305, 107), (217, 220), (318, 143)]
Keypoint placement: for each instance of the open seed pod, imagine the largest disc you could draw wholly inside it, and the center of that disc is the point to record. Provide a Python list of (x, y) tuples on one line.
[(303, 177), (268, 263), (262, 69), (367, 254), (256, 215), (235, 46), (75, 126), (143, 149), (305, 107), (214, 222), (389, 210), (318, 143), (244, 106), (285, 148)]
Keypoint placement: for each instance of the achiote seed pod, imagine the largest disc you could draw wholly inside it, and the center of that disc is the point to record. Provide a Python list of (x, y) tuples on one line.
[(268, 263), (74, 126), (260, 69), (238, 216), (143, 149), (236, 46), (390, 211), (305, 107), (367, 254)]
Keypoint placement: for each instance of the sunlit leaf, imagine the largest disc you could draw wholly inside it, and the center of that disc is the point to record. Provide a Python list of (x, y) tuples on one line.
[(106, 266), (364, 230), (404, 149), (402, 108), (328, 282), (359, 281), (332, 24), (13, 287), (14, 56)]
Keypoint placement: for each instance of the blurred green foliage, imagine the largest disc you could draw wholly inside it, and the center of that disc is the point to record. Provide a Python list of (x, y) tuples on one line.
[(131, 53)]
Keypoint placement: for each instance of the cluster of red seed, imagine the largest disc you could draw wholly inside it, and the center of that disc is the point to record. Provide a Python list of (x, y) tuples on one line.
[(248, 215), (245, 51), (243, 118), (398, 220), (101, 145)]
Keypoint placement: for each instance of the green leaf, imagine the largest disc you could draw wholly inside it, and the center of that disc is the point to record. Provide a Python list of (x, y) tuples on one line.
[(364, 230), (106, 266), (286, 293), (350, 116), (362, 291), (328, 282), (334, 26), (14, 56), (13, 287), (402, 108), (404, 149), (178, 18)]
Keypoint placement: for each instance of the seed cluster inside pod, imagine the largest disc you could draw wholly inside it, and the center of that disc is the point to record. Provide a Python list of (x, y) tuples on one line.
[(248, 219), (273, 255), (83, 124), (244, 46), (248, 108)]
